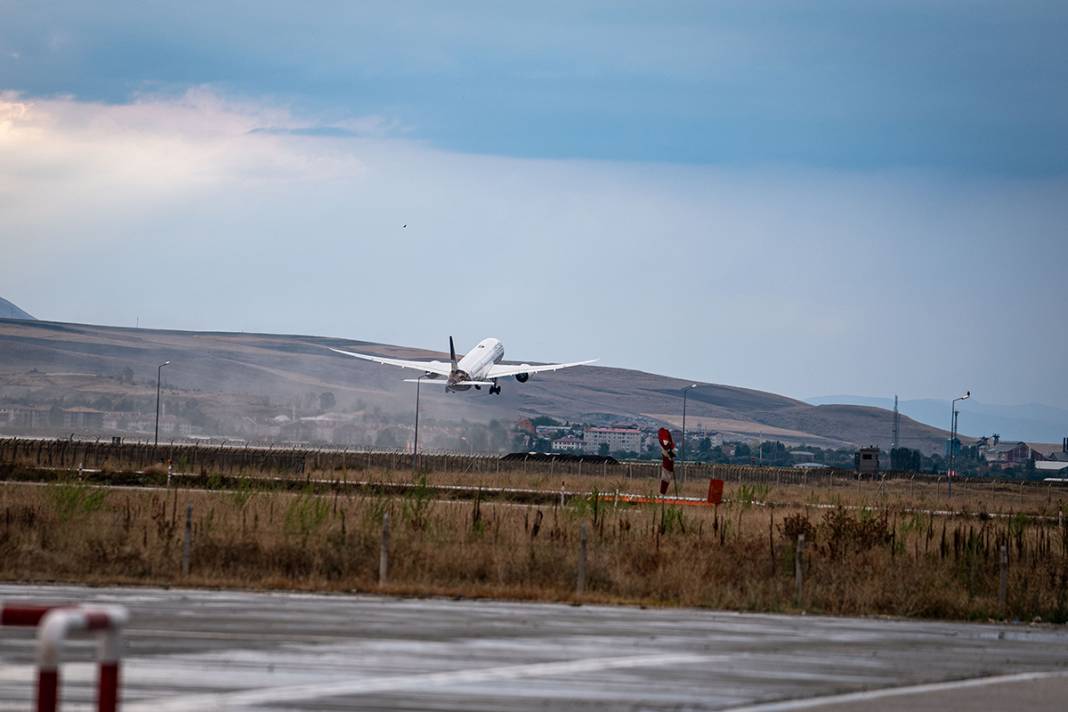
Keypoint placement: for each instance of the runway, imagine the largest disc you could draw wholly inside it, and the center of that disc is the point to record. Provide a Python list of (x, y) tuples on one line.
[(200, 650)]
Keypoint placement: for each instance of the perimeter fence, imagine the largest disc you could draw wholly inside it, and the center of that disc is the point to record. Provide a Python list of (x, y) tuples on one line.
[(318, 463)]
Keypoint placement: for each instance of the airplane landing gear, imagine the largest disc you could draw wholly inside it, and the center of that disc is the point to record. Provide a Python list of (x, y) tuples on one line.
[(495, 390)]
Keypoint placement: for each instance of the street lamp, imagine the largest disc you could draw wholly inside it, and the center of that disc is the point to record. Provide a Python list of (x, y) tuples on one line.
[(415, 443), (953, 440), (685, 392), (159, 375)]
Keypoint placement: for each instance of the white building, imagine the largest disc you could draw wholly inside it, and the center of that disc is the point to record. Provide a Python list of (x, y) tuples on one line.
[(569, 444), (617, 439)]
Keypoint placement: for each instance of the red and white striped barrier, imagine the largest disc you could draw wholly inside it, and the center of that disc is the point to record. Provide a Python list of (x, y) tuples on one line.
[(54, 624)]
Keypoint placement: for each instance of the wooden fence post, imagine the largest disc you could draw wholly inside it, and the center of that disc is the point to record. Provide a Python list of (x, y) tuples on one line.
[(186, 540), (798, 567), (580, 583), (1003, 584), (383, 552)]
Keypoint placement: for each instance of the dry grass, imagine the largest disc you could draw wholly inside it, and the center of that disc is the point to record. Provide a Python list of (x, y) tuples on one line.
[(741, 556)]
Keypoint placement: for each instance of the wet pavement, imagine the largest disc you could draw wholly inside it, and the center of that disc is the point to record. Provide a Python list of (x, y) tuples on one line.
[(202, 650)]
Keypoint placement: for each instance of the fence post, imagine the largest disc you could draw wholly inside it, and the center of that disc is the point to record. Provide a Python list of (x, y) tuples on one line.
[(1003, 585), (580, 583), (798, 567), (383, 552), (186, 539)]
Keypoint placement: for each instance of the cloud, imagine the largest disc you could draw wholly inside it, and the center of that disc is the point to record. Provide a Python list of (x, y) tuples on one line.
[(185, 212), (69, 163), (970, 87)]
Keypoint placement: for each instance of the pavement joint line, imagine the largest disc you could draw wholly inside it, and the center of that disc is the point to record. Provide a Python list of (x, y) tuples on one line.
[(883, 693), (302, 693)]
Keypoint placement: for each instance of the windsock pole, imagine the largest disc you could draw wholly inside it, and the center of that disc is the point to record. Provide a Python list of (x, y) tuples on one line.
[(667, 461)]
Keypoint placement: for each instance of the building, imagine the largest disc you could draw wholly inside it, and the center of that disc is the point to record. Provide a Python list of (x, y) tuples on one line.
[(867, 461), (1051, 468), (24, 417), (569, 444), (85, 418), (1061, 456), (802, 456), (1008, 454), (617, 439)]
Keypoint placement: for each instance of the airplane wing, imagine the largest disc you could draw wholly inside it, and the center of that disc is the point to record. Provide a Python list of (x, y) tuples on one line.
[(502, 370), (432, 381), (441, 369)]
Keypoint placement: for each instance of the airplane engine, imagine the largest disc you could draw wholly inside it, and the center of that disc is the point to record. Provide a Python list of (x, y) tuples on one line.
[(523, 377)]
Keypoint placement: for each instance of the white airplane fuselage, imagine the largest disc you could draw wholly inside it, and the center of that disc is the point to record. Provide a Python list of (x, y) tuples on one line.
[(481, 366), (475, 364)]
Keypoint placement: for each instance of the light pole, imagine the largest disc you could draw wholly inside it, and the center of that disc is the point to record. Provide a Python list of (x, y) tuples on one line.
[(685, 392), (159, 375), (415, 442), (953, 440)]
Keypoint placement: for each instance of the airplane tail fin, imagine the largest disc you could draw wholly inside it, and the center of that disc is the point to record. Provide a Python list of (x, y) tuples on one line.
[(452, 354)]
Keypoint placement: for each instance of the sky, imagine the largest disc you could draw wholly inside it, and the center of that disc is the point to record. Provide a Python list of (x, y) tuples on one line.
[(805, 198)]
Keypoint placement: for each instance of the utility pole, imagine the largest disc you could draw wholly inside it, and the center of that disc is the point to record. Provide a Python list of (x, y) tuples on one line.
[(415, 443), (159, 375), (953, 440), (895, 438), (685, 392)]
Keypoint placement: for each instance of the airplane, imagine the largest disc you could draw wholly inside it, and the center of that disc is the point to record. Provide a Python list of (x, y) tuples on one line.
[(481, 366)]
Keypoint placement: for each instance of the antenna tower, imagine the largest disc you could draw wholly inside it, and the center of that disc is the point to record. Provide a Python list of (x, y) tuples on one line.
[(897, 426)]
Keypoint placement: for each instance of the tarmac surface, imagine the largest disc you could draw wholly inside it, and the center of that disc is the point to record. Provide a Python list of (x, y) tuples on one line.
[(215, 650)]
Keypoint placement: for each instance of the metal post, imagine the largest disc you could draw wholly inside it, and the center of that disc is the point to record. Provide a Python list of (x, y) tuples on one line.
[(383, 552), (159, 375), (186, 540), (798, 566), (580, 583), (953, 440), (682, 458), (1003, 586), (415, 444)]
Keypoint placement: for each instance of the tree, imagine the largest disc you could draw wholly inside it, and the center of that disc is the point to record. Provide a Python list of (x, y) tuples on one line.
[(327, 401), (387, 439), (602, 449), (544, 420)]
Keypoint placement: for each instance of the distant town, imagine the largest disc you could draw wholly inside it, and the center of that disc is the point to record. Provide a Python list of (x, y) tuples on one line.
[(315, 419)]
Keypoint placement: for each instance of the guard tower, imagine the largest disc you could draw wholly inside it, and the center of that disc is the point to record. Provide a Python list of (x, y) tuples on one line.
[(867, 461)]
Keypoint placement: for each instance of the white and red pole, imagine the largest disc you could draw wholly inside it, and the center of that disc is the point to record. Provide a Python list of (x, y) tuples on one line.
[(54, 624)]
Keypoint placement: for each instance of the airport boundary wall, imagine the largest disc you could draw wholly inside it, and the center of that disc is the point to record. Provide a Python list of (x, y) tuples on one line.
[(309, 463)]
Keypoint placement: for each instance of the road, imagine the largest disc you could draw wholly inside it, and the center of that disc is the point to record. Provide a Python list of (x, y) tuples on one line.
[(201, 650)]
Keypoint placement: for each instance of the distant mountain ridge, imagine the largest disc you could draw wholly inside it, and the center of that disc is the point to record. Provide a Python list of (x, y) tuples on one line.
[(1033, 422), (233, 373), (10, 311)]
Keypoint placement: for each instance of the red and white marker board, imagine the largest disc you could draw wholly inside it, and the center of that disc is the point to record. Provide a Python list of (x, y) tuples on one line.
[(667, 461)]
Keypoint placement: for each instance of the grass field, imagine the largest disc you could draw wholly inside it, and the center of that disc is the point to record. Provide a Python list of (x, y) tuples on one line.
[(868, 548)]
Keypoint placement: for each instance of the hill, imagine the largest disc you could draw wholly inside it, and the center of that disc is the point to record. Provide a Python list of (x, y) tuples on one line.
[(234, 378), (1033, 422), (10, 311)]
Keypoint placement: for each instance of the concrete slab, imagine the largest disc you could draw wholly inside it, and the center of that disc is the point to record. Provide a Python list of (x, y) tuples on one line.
[(200, 650)]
